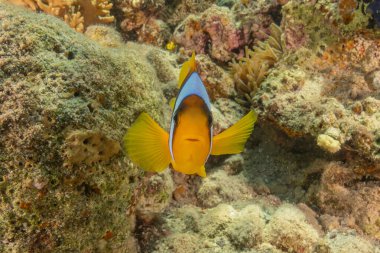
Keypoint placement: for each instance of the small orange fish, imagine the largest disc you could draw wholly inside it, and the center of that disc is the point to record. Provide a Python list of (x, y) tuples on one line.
[(190, 141)]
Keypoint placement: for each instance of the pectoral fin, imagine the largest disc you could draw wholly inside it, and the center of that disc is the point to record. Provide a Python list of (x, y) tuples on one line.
[(233, 139), (146, 144)]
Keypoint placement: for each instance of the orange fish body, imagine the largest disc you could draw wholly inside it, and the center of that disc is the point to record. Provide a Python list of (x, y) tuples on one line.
[(190, 140)]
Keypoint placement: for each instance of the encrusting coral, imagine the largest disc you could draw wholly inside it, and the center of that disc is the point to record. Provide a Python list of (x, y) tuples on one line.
[(78, 14), (252, 69)]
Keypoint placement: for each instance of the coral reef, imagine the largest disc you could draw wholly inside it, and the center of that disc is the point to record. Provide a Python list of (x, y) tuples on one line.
[(66, 100), (78, 14), (308, 180)]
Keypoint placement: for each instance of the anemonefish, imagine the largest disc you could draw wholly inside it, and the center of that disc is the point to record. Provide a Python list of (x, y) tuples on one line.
[(190, 140)]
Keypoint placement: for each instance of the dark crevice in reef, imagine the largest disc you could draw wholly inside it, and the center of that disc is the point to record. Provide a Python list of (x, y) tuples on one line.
[(283, 163)]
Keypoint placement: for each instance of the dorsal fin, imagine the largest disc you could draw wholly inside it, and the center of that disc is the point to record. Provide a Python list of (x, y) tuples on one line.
[(187, 68)]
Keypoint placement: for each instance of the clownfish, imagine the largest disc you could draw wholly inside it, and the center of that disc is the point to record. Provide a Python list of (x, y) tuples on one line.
[(190, 140)]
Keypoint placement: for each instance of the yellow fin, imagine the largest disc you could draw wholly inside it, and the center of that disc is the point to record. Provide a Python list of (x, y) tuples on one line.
[(202, 171), (187, 68), (233, 139), (172, 103), (146, 144)]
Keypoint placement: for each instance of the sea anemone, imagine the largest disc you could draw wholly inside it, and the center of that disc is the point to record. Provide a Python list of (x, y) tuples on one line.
[(252, 69)]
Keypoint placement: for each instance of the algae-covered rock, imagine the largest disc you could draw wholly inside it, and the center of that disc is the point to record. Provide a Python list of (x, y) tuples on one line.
[(289, 229), (65, 104)]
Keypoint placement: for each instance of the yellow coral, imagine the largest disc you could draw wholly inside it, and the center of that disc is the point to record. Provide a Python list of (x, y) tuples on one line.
[(78, 14), (251, 70)]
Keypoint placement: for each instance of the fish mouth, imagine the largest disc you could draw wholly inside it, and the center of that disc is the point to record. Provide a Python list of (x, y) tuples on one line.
[(192, 139)]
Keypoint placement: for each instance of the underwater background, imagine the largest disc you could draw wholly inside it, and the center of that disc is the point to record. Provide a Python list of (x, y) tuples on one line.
[(75, 74)]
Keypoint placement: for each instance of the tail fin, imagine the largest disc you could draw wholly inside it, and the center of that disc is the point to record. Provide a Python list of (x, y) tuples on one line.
[(233, 139), (147, 144), (187, 68)]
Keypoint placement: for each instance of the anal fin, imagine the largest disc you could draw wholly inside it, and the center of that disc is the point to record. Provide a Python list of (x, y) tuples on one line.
[(202, 171), (233, 139), (146, 144)]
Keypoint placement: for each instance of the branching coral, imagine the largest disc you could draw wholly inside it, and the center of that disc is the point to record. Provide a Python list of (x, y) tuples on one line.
[(78, 14), (251, 70)]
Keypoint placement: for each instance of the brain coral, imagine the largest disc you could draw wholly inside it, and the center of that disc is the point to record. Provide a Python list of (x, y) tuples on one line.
[(64, 99)]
